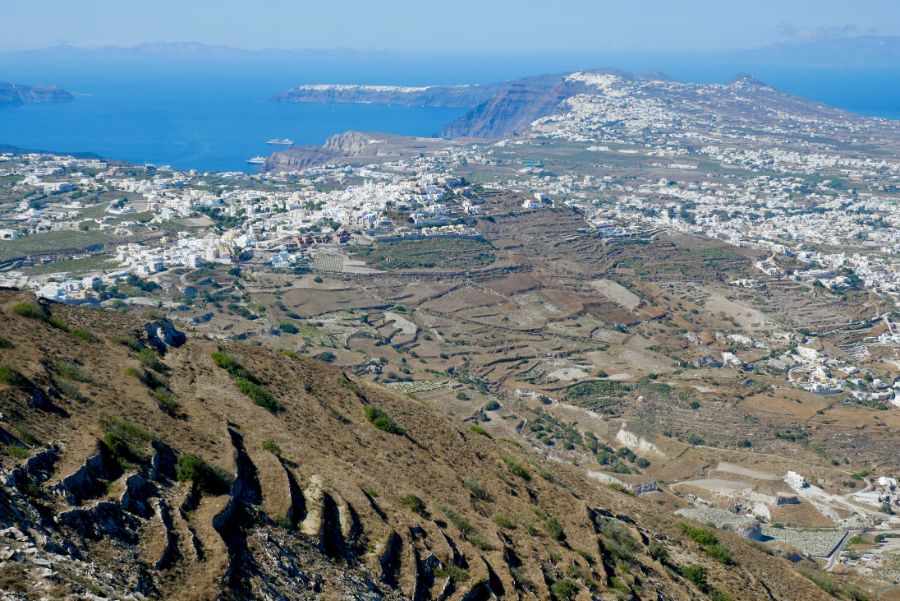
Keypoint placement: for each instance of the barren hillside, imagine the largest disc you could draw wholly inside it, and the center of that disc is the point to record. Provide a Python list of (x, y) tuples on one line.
[(138, 465)]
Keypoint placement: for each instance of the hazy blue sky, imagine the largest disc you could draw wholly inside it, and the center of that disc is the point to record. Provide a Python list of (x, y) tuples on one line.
[(448, 25)]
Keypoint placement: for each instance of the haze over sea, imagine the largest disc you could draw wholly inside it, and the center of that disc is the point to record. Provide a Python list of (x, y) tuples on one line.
[(213, 114)]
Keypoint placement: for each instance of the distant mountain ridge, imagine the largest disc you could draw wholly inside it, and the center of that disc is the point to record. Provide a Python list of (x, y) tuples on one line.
[(12, 94), (852, 52), (869, 51)]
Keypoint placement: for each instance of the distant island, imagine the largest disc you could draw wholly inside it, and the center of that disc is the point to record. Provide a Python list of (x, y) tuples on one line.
[(13, 94), (458, 96)]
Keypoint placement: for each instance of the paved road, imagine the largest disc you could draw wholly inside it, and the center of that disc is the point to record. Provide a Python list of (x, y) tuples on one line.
[(832, 559)]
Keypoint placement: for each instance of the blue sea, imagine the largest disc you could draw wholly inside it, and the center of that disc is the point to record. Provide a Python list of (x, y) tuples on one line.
[(213, 114)]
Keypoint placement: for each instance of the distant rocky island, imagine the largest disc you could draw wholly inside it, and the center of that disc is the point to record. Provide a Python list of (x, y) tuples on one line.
[(461, 96), (13, 94)]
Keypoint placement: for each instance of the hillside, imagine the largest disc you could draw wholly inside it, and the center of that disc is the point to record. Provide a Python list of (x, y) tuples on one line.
[(137, 464)]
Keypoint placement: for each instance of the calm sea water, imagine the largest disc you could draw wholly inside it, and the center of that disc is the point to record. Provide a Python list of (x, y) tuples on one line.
[(208, 114)]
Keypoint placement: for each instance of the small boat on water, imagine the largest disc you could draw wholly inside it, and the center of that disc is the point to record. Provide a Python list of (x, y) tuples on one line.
[(257, 160), (281, 142)]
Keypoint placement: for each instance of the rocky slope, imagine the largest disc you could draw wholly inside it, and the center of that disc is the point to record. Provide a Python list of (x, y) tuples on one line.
[(12, 94), (137, 464)]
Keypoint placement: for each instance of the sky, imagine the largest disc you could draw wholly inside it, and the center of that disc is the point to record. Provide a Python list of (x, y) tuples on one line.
[(444, 26)]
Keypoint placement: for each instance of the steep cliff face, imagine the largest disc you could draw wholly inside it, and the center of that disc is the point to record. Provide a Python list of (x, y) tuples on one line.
[(209, 471), (510, 111), (12, 94)]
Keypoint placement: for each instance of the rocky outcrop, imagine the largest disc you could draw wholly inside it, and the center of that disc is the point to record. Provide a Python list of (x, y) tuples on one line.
[(104, 519), (162, 333), (37, 469), (347, 145), (90, 480)]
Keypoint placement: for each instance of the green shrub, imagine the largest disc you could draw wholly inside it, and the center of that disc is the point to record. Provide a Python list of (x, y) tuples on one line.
[(564, 589), (596, 388), (414, 504), (73, 371), (466, 529), (701, 536), (717, 595), (259, 395), (15, 450), (5, 342), (659, 552), (149, 359), (619, 487), (719, 553), (10, 376), (126, 340), (28, 438), (454, 573), (479, 430), (284, 521), (126, 442), (148, 378), (325, 357), (554, 528), (231, 365), (515, 468), (207, 477), (272, 447), (492, 406), (618, 541), (708, 541), (66, 388), (84, 335), (58, 323), (382, 420), (696, 574), (289, 328), (520, 578), (247, 383), (476, 489), (166, 401), (504, 522), (336, 414), (823, 581), (480, 542), (29, 310)]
